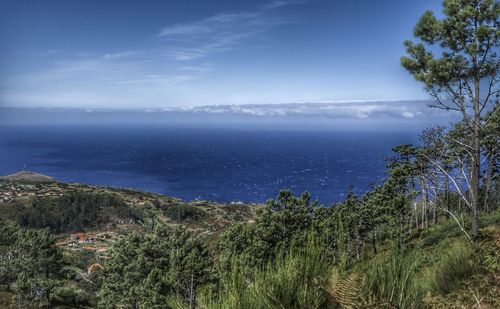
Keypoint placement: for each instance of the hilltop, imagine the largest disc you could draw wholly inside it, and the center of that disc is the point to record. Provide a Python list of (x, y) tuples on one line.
[(28, 176)]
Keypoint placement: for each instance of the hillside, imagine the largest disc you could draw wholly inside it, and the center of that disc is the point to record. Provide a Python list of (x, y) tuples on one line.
[(448, 271), (72, 208), (106, 233), (439, 269), (87, 220)]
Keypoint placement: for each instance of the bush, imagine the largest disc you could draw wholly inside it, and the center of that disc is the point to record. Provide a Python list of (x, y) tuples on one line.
[(184, 212), (72, 296), (294, 280), (148, 271), (440, 232), (392, 282), (450, 229), (458, 264), (71, 212)]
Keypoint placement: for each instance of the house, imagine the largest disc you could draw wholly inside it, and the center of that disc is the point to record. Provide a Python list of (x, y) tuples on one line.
[(81, 238), (94, 267)]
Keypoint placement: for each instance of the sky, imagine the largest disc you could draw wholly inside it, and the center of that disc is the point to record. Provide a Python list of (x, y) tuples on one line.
[(161, 54)]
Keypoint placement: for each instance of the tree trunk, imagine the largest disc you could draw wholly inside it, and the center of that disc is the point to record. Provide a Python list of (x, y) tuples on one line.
[(436, 203), (424, 204), (416, 215), (48, 298), (435, 212), (426, 209), (475, 170), (191, 293), (447, 194), (422, 219), (358, 245), (487, 188)]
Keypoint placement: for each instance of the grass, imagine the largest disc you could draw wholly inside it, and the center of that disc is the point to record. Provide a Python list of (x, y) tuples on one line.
[(449, 229), (457, 265), (393, 281), (439, 264), (468, 276), (492, 219), (296, 279), (436, 234)]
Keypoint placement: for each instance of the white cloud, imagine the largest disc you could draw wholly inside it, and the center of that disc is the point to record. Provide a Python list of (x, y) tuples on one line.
[(61, 99), (407, 114), (221, 32), (151, 75), (349, 110), (110, 79)]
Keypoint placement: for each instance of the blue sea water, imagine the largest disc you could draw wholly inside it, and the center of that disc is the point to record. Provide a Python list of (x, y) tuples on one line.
[(220, 164)]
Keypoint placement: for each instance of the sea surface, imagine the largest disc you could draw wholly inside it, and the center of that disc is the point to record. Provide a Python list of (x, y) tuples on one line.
[(208, 163)]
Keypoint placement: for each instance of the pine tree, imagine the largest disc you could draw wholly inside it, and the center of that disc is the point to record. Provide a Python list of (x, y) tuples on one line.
[(466, 78)]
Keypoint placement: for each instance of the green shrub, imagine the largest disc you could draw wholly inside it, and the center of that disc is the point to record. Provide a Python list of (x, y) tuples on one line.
[(440, 232), (393, 281), (74, 211), (72, 296), (450, 228), (293, 280), (490, 259), (458, 264), (183, 212), (491, 219)]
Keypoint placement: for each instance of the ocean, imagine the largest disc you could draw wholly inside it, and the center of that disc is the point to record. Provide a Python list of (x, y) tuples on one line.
[(204, 163)]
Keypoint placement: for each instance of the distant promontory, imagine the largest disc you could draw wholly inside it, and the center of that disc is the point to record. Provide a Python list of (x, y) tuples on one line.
[(28, 176)]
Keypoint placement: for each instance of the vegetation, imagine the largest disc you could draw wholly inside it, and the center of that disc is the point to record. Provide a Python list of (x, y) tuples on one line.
[(464, 79), (375, 250), (296, 278), (146, 270), (458, 264), (70, 212), (31, 265), (413, 241), (392, 281), (184, 212)]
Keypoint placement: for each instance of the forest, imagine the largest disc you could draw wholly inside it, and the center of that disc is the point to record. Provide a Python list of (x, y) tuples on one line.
[(428, 236), (70, 212)]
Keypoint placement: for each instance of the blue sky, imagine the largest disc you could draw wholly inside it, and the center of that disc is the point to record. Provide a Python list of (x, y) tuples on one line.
[(138, 54)]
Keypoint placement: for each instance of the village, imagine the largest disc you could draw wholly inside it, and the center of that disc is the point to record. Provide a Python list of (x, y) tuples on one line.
[(97, 242), (10, 191), (13, 190)]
